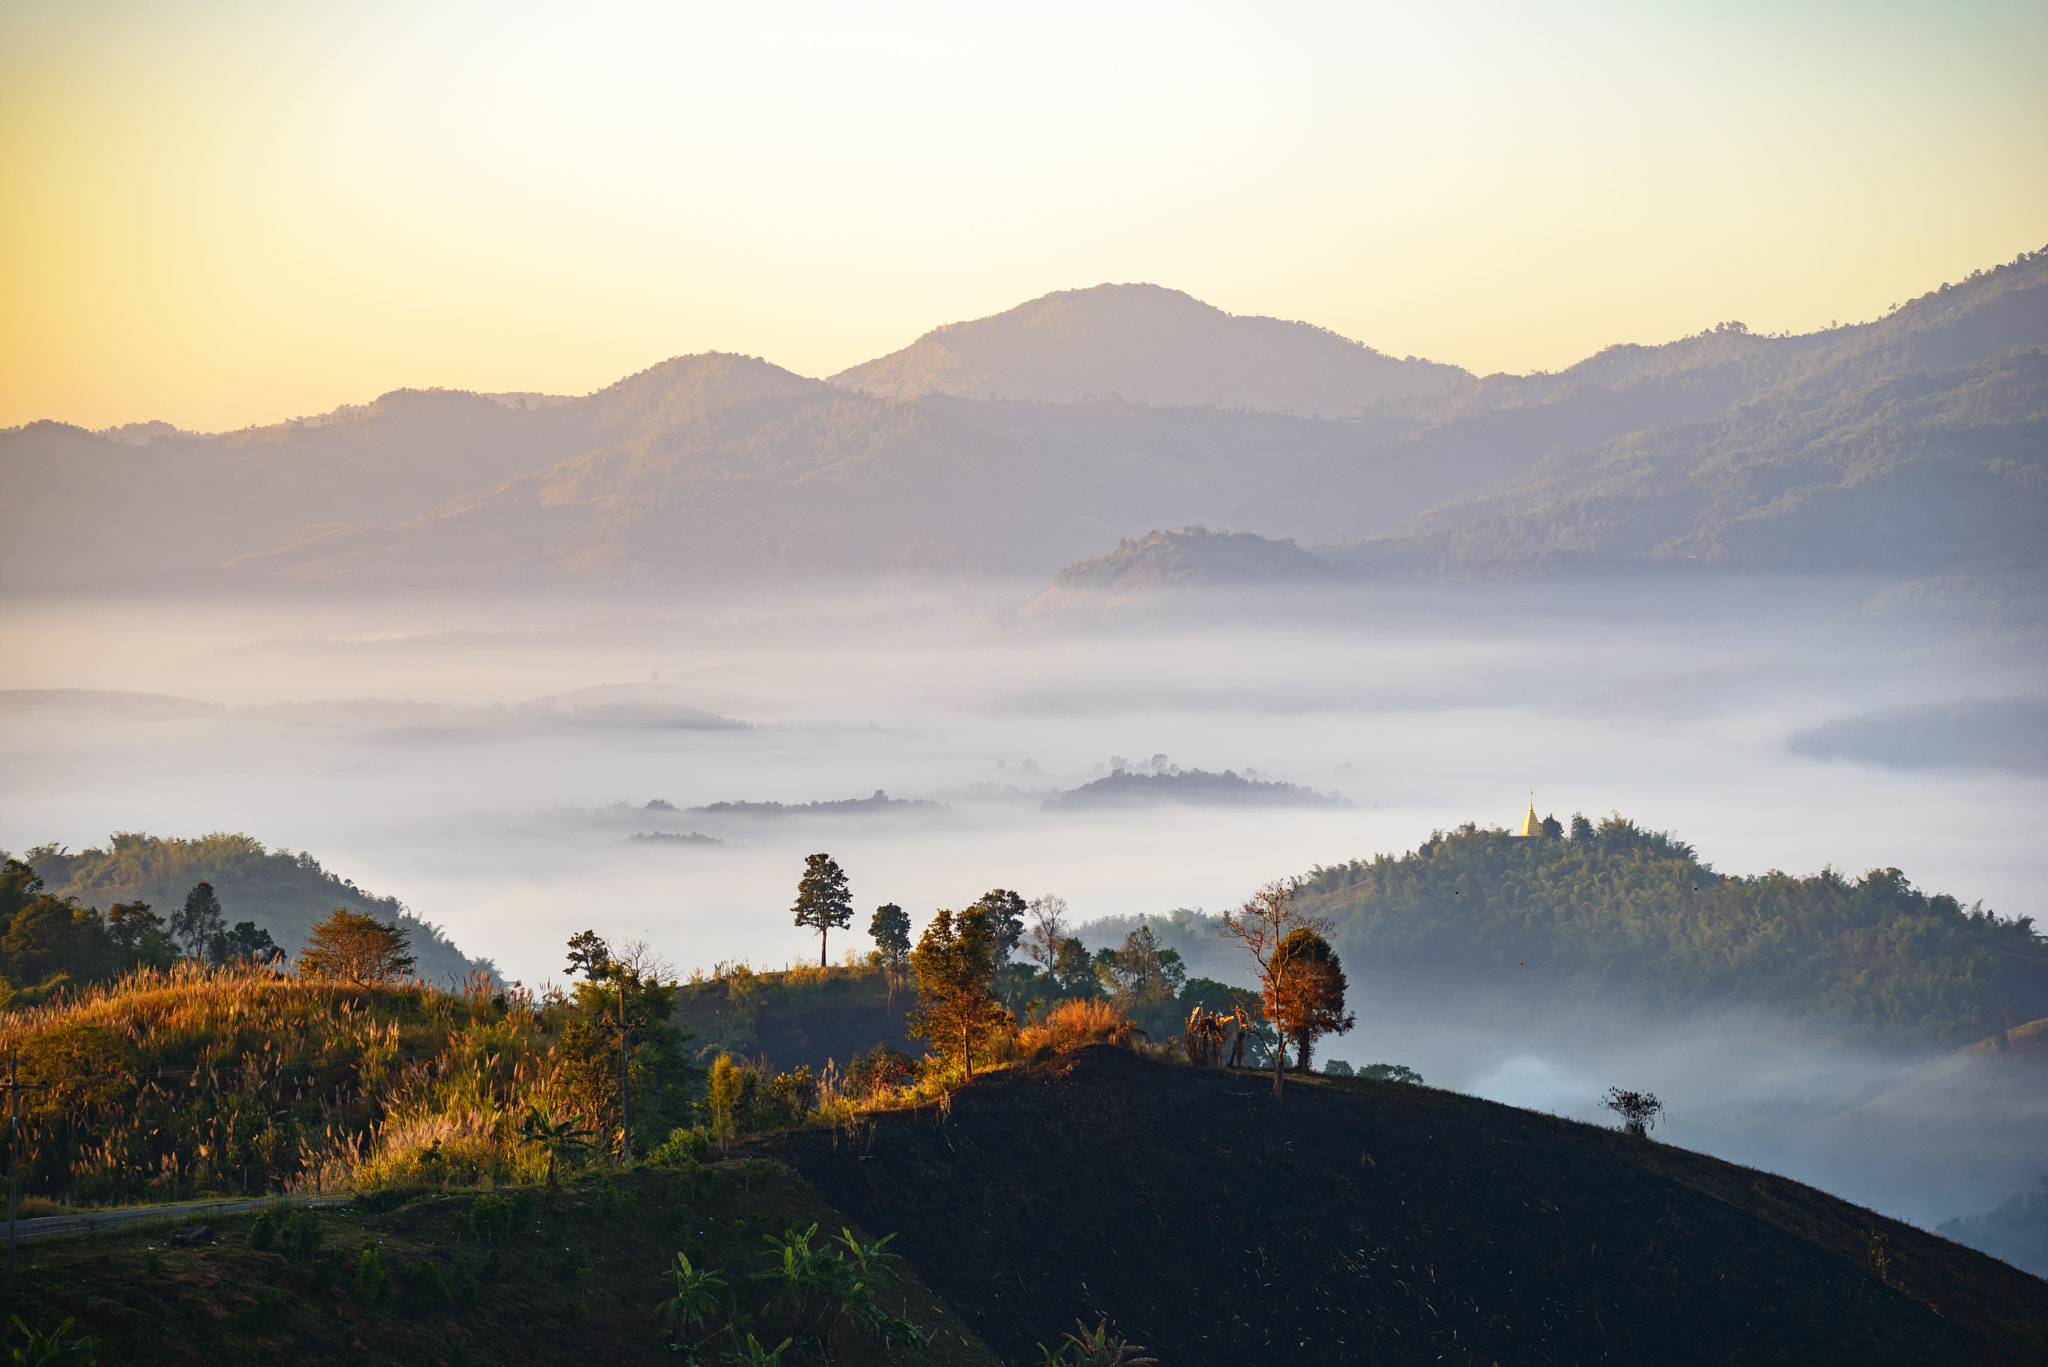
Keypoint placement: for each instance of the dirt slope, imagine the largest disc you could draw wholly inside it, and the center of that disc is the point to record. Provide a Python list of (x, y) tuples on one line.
[(1388, 1223)]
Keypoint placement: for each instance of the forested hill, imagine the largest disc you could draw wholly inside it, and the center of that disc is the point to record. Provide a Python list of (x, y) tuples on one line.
[(1634, 916), (282, 892)]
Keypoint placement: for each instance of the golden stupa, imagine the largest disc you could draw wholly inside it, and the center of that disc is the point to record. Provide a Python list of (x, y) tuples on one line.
[(1530, 825)]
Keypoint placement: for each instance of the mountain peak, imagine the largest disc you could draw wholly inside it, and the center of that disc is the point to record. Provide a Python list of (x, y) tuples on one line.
[(1145, 343)]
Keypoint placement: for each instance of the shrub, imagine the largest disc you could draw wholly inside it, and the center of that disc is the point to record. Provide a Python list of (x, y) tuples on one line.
[(1084, 1020), (1390, 1072), (263, 1231), (683, 1148), (1336, 1067), (301, 1235), (490, 1218), (881, 1069), (373, 1278), (1638, 1110)]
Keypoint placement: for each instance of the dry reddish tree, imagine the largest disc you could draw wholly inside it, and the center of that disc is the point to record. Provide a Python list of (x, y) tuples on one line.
[(1263, 924), (1311, 996)]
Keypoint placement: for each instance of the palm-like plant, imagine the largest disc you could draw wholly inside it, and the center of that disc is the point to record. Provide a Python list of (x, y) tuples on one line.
[(1099, 1349), (754, 1355), (52, 1349), (558, 1139), (688, 1311)]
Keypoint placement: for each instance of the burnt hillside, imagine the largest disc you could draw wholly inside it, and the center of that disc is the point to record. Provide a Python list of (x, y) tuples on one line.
[(1362, 1221)]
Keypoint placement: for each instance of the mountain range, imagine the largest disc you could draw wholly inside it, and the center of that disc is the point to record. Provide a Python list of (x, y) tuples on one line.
[(1021, 442)]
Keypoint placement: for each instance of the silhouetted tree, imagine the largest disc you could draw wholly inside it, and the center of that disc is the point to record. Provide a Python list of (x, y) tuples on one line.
[(1048, 929), (890, 928), (1073, 969), (955, 963), (1582, 829), (589, 954), (822, 900), (1006, 919), (1638, 1110), (355, 948), (129, 922), (196, 923), (247, 943), (1551, 827)]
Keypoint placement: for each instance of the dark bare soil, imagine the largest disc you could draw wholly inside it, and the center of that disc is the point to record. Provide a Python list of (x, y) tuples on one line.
[(1380, 1222), (577, 1283)]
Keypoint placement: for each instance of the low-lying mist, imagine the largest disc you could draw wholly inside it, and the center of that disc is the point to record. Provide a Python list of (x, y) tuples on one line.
[(491, 761)]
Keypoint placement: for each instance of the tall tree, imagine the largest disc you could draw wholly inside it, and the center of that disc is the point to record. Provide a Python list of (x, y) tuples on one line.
[(1005, 918), (822, 900), (1048, 928), (196, 923), (588, 953), (355, 948), (955, 962), (1072, 967), (1311, 997), (1262, 925), (890, 928)]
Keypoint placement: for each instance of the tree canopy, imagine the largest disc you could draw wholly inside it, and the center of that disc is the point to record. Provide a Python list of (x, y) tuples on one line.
[(1634, 916), (955, 962), (822, 900), (353, 948)]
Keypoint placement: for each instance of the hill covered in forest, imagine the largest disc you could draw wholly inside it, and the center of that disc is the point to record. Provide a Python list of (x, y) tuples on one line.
[(1617, 913), (282, 892)]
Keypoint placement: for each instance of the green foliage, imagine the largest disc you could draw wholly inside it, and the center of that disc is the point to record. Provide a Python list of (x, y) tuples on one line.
[(263, 1230), (47, 942), (752, 1354), (955, 962), (822, 900), (1098, 1348), (490, 1218), (687, 1314), (1633, 916), (39, 1348), (301, 1234), (890, 929), (1387, 1072), (686, 1146), (561, 1141), (881, 1068), (281, 892), (373, 1278)]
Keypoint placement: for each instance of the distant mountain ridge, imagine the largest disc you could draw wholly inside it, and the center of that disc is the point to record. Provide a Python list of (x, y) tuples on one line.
[(1913, 442), (1144, 344)]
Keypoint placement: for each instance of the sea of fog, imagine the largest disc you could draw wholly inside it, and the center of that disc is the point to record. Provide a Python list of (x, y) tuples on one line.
[(489, 761)]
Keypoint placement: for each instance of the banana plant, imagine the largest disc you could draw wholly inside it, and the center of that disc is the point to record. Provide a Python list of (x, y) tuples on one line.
[(754, 1355), (688, 1311)]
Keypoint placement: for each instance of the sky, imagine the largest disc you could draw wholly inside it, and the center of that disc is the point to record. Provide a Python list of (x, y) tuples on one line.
[(221, 213)]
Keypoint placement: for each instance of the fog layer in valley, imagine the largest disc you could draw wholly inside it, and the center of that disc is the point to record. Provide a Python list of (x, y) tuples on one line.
[(490, 762)]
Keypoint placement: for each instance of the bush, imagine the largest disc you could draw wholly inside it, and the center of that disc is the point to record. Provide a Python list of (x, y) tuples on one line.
[(490, 1218), (263, 1231), (373, 1278), (1071, 1024), (1390, 1072), (1336, 1067), (301, 1235), (682, 1148), (881, 1069)]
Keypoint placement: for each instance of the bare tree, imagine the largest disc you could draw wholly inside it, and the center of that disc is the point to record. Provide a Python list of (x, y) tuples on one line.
[(1263, 924), (1048, 929)]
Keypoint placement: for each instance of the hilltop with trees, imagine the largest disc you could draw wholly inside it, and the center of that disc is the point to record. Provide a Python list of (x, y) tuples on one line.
[(278, 893), (1617, 913)]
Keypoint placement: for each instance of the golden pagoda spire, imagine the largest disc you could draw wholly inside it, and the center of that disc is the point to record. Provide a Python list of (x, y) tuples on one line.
[(1530, 825)]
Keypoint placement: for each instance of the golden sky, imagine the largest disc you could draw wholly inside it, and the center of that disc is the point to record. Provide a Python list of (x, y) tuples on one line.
[(221, 213)]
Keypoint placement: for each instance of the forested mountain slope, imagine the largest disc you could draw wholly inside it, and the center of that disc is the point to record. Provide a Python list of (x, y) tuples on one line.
[(282, 892), (1914, 442), (1635, 917)]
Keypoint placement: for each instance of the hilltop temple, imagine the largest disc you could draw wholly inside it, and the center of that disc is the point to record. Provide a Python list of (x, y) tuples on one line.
[(1530, 825)]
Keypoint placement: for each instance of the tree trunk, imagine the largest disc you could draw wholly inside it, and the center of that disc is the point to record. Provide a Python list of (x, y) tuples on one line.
[(967, 1050), (821, 946), (1279, 1058)]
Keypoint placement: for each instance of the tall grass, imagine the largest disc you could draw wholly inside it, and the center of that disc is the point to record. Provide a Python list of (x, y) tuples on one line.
[(166, 1084)]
